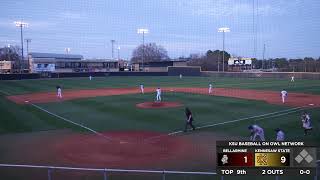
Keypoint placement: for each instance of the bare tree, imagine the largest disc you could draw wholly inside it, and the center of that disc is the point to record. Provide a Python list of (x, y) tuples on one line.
[(10, 53), (149, 52)]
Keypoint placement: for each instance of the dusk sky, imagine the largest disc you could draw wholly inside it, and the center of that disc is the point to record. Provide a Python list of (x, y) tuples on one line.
[(289, 28)]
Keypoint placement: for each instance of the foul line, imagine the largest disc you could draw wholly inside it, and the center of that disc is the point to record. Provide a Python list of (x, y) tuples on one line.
[(246, 118), (262, 116), (5, 93), (67, 120)]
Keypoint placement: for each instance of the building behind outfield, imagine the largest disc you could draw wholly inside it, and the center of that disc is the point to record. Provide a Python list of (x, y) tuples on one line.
[(70, 63), (158, 66), (62, 63)]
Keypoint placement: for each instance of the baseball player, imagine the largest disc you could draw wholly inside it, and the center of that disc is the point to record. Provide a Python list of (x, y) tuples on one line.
[(280, 135), (283, 95), (141, 88), (256, 131), (59, 92), (90, 77), (292, 78), (210, 88), (306, 122), (158, 97), (189, 120), (180, 76)]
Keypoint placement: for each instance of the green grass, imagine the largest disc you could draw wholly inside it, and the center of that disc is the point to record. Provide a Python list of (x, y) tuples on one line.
[(30, 86), (104, 113), (119, 113), (17, 118), (94, 112), (116, 113)]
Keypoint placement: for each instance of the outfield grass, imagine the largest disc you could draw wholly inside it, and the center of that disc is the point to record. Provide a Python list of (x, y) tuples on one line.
[(118, 113), (30, 86)]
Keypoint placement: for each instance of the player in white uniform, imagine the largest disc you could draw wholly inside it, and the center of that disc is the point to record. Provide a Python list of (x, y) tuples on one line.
[(292, 78), (158, 97), (210, 88), (90, 78), (180, 76), (306, 122), (283, 95), (280, 135), (59, 92), (142, 88), (256, 131)]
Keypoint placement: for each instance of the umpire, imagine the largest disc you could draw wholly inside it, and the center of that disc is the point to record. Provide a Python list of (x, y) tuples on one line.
[(189, 120)]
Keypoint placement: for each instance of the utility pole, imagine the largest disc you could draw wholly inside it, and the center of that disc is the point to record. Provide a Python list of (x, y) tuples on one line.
[(264, 51), (219, 61), (118, 53), (28, 41), (112, 44)]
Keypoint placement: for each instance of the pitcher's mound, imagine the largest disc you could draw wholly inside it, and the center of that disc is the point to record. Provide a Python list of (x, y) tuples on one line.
[(154, 105)]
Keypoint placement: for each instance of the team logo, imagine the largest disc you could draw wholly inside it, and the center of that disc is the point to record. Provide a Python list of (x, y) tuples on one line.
[(224, 159), (262, 160)]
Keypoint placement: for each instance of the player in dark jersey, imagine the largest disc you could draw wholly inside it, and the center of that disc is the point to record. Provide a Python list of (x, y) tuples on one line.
[(189, 120)]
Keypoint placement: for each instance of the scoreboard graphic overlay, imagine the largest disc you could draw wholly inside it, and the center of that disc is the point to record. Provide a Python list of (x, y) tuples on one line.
[(266, 158)]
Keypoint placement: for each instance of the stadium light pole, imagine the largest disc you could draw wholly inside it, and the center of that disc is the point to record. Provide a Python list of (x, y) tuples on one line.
[(223, 30), (143, 31), (21, 25)]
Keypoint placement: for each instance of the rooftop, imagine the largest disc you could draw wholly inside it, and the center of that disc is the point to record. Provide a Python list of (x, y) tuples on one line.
[(56, 56)]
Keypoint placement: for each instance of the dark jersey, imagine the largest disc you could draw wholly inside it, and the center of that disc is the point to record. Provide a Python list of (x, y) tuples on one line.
[(188, 114)]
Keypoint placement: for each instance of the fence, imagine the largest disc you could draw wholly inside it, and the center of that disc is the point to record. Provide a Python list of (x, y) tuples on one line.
[(184, 70), (276, 75), (81, 74), (105, 171), (172, 71)]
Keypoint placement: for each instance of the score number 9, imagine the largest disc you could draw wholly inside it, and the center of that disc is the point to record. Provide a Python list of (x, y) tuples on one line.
[(283, 159)]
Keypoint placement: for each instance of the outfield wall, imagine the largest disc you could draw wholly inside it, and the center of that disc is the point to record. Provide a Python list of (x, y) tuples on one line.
[(276, 75), (184, 70), (84, 74), (172, 72)]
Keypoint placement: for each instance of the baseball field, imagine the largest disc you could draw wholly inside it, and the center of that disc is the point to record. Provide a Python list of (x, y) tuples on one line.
[(107, 123)]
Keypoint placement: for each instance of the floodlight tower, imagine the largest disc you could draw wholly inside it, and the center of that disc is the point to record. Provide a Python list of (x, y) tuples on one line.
[(143, 31), (223, 30), (21, 25)]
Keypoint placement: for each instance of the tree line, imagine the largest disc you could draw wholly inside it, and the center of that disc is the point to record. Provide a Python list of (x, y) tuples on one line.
[(212, 60), (307, 64)]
